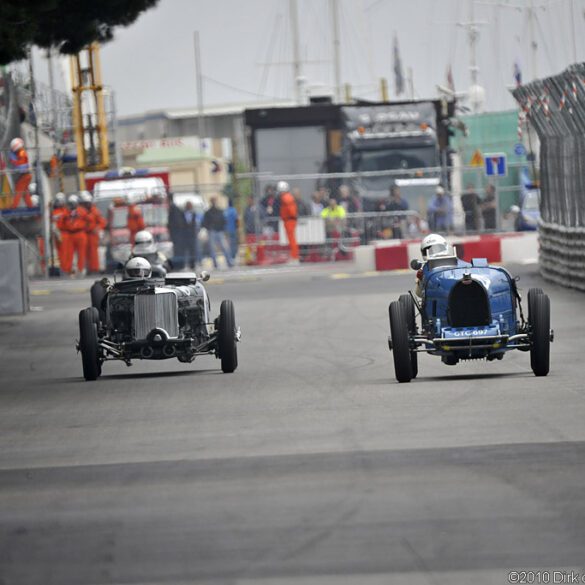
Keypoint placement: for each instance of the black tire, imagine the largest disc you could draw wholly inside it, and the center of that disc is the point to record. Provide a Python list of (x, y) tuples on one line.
[(532, 293), (226, 338), (400, 344), (97, 294), (88, 344), (540, 334), (409, 310)]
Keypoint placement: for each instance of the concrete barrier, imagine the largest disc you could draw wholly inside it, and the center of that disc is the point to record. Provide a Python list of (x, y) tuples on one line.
[(520, 247)]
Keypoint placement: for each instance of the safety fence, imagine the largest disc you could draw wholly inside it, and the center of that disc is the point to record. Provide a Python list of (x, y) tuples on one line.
[(555, 107)]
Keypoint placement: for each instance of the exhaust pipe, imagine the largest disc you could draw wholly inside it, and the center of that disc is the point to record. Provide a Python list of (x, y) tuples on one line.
[(147, 352)]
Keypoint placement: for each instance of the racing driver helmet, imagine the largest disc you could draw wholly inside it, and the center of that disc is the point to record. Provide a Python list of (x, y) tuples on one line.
[(433, 245), (144, 244), (143, 237), (137, 268), (282, 187)]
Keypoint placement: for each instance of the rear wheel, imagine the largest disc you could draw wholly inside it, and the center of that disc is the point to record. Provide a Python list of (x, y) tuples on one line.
[(400, 343), (88, 344), (408, 307), (540, 334), (226, 337)]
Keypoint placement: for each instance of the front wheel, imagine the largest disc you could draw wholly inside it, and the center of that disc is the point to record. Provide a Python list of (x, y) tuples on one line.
[(226, 338), (540, 334), (97, 293), (400, 343), (89, 345), (408, 307)]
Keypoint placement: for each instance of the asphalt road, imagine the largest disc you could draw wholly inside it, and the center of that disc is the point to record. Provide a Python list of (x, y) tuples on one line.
[(307, 465)]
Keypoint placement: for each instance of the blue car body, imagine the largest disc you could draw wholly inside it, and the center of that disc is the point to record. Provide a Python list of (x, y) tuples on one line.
[(469, 309)]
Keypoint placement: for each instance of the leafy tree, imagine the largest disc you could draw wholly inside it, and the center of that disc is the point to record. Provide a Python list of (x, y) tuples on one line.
[(68, 25)]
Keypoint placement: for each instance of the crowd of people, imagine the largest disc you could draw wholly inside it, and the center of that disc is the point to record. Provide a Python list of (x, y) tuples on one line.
[(77, 222), (76, 226)]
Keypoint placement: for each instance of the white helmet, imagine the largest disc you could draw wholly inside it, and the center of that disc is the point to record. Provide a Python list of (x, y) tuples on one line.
[(32, 188), (439, 190), (432, 244), (60, 197), (73, 200), (137, 268), (85, 197), (35, 200), (143, 237), (16, 144), (282, 187)]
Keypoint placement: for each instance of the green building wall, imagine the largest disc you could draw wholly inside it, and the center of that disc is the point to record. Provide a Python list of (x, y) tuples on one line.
[(492, 132)]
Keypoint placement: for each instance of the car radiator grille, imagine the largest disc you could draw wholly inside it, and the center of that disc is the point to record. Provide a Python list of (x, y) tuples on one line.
[(156, 311)]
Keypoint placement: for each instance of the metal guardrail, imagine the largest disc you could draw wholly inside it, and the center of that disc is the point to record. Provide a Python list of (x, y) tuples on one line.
[(555, 106)]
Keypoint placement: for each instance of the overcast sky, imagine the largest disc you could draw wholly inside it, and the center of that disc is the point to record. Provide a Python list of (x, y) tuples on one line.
[(246, 48)]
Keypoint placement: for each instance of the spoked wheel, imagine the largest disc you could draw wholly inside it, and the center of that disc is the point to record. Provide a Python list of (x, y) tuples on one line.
[(88, 343), (539, 306), (400, 344), (408, 308), (226, 337)]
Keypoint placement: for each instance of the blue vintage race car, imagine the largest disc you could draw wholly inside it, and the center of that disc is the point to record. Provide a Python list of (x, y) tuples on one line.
[(467, 311)]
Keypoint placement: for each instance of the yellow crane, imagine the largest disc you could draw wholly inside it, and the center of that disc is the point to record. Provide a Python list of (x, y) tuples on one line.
[(89, 116)]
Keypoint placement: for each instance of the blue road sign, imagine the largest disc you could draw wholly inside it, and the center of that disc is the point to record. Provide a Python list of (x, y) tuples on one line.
[(519, 149), (495, 165)]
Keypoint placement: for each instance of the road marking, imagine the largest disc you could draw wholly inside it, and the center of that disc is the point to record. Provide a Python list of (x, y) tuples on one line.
[(40, 293), (340, 276)]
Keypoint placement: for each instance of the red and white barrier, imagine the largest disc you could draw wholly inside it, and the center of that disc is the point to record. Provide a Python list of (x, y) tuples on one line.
[(496, 248)]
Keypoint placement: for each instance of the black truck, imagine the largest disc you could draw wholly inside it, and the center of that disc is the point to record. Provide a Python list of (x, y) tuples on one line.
[(381, 144)]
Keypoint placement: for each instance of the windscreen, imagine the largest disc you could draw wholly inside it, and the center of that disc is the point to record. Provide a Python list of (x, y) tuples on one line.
[(154, 215), (394, 159)]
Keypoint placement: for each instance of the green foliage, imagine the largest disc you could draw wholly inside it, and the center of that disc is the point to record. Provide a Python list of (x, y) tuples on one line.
[(68, 25)]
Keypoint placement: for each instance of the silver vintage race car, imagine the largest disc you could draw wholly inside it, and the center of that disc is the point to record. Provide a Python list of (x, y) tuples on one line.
[(154, 318)]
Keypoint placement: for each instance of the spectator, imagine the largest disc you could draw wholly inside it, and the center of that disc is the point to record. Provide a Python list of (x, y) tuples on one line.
[(489, 208), (302, 207), (254, 215), (397, 203), (174, 225), (270, 201), (349, 202), (232, 223), (316, 204), (214, 223), (470, 202), (186, 246), (440, 211), (334, 216)]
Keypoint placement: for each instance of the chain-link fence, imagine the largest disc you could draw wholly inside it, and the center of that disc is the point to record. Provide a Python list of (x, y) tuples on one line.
[(555, 106)]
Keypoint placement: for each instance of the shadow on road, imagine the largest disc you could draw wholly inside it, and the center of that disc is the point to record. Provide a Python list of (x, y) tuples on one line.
[(454, 378), (135, 376)]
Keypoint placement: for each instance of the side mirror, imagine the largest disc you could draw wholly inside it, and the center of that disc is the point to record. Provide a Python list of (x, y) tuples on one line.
[(415, 264), (204, 276)]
